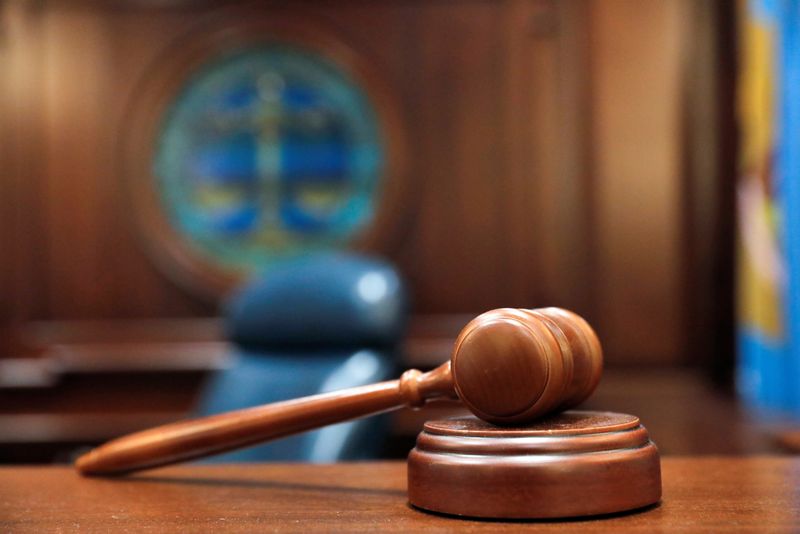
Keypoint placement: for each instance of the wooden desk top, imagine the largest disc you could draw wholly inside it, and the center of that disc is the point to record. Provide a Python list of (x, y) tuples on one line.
[(704, 494)]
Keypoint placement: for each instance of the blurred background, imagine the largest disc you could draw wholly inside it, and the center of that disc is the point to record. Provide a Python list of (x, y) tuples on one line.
[(212, 204)]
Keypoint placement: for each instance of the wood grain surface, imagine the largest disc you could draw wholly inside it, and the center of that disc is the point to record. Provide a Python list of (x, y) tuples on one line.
[(568, 465), (544, 150), (706, 494)]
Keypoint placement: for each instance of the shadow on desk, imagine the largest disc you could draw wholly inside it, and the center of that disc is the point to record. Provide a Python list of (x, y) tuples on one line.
[(229, 482)]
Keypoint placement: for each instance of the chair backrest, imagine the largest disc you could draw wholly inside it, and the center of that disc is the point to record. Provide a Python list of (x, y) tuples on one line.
[(309, 326)]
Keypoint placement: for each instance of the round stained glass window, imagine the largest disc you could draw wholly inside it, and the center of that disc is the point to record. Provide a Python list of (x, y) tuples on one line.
[(266, 153)]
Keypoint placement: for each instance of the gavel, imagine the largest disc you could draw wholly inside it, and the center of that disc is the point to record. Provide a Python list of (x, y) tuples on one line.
[(508, 367)]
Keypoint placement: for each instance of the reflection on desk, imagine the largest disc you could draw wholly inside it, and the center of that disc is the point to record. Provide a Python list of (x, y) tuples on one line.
[(709, 494)]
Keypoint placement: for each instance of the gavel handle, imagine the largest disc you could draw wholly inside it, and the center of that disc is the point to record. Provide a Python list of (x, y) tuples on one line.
[(187, 440)]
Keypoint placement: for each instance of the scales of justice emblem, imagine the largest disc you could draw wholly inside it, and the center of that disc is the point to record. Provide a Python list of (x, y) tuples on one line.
[(267, 153)]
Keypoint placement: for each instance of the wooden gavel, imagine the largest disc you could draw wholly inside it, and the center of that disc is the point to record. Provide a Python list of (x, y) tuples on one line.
[(508, 366)]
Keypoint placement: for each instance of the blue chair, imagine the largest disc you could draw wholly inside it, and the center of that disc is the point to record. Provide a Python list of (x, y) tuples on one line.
[(312, 325)]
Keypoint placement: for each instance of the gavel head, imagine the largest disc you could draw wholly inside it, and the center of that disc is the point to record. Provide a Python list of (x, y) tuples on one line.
[(512, 365)]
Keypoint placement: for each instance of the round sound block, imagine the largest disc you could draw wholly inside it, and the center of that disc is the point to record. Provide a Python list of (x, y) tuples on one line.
[(575, 463)]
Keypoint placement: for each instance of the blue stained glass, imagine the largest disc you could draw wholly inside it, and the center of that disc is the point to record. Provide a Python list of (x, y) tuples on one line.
[(269, 152)]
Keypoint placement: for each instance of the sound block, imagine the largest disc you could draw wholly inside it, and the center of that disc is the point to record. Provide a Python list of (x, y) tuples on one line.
[(575, 463)]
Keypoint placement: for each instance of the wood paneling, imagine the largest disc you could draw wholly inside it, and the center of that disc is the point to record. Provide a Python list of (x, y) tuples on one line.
[(544, 151), (480, 85), (21, 231), (711, 137), (637, 52)]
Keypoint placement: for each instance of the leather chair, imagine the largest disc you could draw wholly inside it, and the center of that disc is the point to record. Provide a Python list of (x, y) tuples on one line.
[(312, 325)]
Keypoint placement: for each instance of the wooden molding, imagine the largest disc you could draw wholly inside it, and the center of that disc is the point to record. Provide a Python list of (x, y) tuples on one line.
[(230, 31)]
